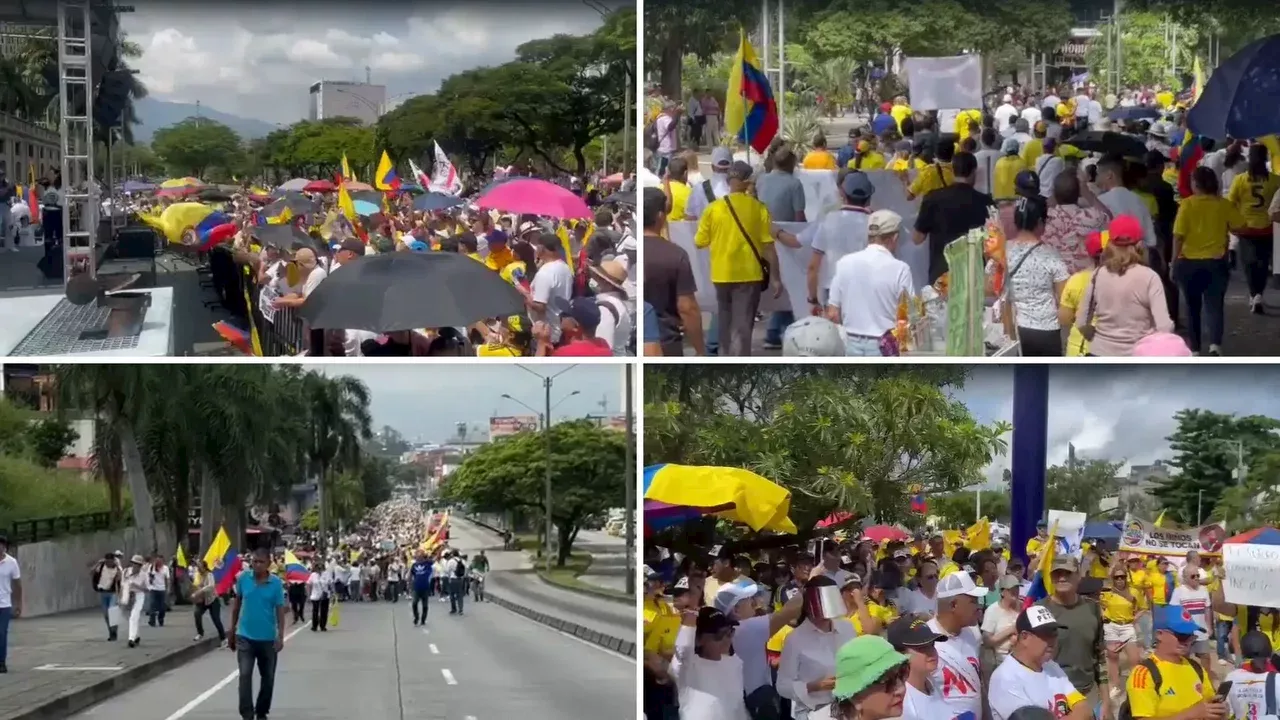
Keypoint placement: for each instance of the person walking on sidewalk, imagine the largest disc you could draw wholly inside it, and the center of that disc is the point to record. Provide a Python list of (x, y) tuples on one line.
[(395, 574), (135, 592), (106, 577), (10, 598), (257, 614), (204, 595), (421, 572), (320, 590), (157, 591)]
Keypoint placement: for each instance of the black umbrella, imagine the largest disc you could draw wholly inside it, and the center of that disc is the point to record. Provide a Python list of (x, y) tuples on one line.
[(1137, 112), (1108, 143), (213, 195), (296, 203), (285, 236), (409, 290), (626, 197), (434, 201)]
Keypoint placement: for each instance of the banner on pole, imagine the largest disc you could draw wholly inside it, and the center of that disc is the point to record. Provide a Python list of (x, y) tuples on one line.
[(1141, 536)]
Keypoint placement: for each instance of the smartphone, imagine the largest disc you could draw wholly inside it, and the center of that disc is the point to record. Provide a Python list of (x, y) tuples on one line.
[(1223, 689)]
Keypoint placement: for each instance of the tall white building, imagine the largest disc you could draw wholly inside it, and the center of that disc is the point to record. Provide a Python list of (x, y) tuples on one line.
[(337, 98)]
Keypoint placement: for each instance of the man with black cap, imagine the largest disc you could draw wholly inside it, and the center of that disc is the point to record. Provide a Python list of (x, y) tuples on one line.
[(912, 636), (1030, 677), (348, 250), (737, 229), (839, 233), (708, 676)]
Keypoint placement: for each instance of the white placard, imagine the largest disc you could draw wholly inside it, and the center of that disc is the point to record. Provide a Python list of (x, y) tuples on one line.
[(944, 82), (267, 303), (1253, 574), (1069, 531)]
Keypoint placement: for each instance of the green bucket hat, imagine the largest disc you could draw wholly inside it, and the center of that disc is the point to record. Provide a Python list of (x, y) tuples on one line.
[(862, 661)]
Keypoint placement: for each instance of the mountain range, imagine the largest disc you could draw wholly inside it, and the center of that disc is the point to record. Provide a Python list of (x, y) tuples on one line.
[(154, 114)]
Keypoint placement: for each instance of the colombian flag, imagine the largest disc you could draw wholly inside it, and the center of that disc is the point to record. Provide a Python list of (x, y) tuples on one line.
[(1039, 589), (750, 110), (224, 561), (1190, 153), (294, 570), (386, 179), (347, 175), (918, 503)]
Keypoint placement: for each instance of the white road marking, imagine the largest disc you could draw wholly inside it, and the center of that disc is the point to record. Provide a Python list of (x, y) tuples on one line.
[(471, 717), (79, 668), (434, 650), (426, 631), (202, 697), (448, 676)]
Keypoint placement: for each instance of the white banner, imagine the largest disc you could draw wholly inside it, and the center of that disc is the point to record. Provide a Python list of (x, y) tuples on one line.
[(1069, 531), (1253, 574), (944, 82), (1141, 536)]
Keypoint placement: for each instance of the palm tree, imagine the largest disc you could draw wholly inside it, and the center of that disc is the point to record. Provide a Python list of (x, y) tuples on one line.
[(339, 422)]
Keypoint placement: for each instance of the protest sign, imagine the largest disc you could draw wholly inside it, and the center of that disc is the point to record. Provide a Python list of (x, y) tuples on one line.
[(1253, 574), (1070, 532), (1140, 536)]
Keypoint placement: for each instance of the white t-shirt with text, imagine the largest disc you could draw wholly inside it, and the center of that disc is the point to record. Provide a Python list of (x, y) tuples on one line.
[(1014, 685), (959, 678)]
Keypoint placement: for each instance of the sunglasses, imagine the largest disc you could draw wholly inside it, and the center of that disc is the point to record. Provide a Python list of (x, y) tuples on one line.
[(1185, 639), (928, 577), (891, 680)]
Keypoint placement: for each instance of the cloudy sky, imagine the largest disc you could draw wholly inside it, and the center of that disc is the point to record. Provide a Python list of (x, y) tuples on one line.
[(258, 59), (424, 402), (1124, 413)]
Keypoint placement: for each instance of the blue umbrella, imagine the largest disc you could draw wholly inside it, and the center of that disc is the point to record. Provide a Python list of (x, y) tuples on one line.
[(366, 208), (1128, 114), (431, 202), (1240, 98), (137, 186)]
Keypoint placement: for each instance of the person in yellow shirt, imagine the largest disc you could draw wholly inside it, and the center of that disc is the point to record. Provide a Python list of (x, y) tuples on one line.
[(964, 120), (935, 175), (900, 111), (676, 186), (1035, 146), (1201, 231), (1160, 580), (903, 161), (1073, 293), (1252, 193), (737, 231), (510, 338), (1168, 683), (1005, 174), (1035, 544), (499, 254), (819, 158), (1119, 613), (865, 157)]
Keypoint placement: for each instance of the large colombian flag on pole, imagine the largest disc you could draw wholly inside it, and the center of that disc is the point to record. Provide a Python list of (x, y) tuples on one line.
[(750, 112), (386, 178), (224, 561)]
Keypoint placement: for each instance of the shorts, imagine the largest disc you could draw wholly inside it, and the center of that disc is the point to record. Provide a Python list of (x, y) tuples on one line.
[(1115, 633), (1200, 647)]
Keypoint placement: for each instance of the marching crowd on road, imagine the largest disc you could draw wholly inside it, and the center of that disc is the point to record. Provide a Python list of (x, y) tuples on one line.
[(1124, 225), (922, 630)]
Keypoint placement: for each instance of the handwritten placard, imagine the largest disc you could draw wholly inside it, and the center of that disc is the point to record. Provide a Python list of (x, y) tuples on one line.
[(1253, 575)]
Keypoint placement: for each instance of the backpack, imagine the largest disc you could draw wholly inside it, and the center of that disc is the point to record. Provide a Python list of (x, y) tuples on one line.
[(460, 569), (1125, 713), (651, 139)]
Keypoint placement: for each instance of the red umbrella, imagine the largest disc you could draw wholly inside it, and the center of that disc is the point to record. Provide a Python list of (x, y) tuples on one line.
[(835, 518), (884, 533), (534, 197), (319, 186)]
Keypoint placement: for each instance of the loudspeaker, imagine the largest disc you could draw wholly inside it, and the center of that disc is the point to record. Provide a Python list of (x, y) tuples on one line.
[(134, 242)]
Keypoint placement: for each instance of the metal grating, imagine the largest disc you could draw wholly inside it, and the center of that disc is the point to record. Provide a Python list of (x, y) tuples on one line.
[(62, 332)]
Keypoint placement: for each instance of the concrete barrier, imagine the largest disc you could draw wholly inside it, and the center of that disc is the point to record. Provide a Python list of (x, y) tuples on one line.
[(595, 637), (55, 573)]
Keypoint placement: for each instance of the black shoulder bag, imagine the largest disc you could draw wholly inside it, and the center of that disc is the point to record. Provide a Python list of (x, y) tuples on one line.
[(764, 266), (1089, 331)]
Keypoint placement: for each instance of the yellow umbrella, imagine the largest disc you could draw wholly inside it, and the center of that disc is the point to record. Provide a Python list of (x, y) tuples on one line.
[(673, 493), (181, 183)]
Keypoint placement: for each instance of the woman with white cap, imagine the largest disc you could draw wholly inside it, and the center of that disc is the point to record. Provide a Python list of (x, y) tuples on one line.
[(806, 672), (134, 596)]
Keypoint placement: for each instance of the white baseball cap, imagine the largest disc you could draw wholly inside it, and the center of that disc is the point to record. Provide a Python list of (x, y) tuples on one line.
[(813, 336), (957, 584), (728, 596)]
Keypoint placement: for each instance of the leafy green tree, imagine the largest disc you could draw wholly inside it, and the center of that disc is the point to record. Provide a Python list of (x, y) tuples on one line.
[(840, 438), (1081, 488), (588, 472), (49, 439), (338, 422), (958, 509), (702, 28), (194, 145), (1205, 458), (1255, 501), (1145, 51)]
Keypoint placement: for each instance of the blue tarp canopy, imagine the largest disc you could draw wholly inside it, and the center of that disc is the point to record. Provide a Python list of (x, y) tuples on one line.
[(1102, 531)]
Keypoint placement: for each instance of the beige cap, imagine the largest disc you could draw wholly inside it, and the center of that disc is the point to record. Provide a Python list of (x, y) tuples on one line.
[(883, 222)]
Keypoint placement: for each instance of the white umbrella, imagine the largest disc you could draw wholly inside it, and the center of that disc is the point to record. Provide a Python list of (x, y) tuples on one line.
[(296, 184)]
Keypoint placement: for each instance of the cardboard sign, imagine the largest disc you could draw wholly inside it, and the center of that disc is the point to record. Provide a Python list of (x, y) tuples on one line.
[(1140, 536), (1253, 575), (1069, 532)]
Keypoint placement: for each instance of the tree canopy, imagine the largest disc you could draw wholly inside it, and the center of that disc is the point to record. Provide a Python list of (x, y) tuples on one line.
[(194, 145), (1206, 459), (588, 476)]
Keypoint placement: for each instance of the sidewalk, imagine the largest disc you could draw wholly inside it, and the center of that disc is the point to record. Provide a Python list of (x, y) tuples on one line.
[(61, 664)]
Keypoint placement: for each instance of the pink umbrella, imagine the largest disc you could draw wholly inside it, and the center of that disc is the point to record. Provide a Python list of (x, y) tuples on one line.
[(534, 197), (884, 533)]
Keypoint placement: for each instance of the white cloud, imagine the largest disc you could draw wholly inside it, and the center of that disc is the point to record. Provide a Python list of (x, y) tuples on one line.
[(259, 59)]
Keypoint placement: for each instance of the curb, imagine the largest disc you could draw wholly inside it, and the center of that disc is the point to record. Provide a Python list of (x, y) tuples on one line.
[(595, 637), (78, 700), (586, 592)]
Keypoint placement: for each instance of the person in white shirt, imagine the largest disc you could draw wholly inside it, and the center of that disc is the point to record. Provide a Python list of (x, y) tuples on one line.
[(10, 598), (838, 234), (1251, 682), (319, 590), (717, 185), (667, 127), (1030, 677), (738, 600), (1120, 200), (1005, 113), (959, 676), (987, 156), (922, 599), (134, 596), (807, 668), (1194, 598), (158, 577), (1048, 166), (911, 636), (998, 632), (395, 578), (552, 285), (616, 321), (1031, 114), (1022, 130), (868, 286), (708, 678)]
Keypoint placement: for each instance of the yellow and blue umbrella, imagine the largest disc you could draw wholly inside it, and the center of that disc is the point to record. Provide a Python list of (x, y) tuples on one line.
[(674, 494)]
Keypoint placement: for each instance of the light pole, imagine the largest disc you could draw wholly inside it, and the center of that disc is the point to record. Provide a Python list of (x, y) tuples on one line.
[(630, 481), (547, 381)]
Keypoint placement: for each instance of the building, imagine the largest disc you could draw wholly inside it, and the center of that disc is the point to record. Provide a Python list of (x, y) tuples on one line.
[(335, 98), (24, 146), (12, 35)]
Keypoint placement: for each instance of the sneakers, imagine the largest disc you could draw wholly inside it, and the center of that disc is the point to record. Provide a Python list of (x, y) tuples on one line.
[(198, 638), (1255, 305), (1215, 351), (3, 669)]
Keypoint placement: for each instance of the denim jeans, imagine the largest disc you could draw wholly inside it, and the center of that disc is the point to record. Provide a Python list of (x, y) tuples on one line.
[(778, 323), (5, 615), (1143, 625), (1223, 628), (421, 597), (215, 614), (1204, 285), (156, 609), (106, 600), (861, 347), (263, 653), (457, 594)]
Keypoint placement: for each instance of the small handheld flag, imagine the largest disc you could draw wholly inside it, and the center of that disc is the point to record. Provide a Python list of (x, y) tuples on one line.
[(385, 178)]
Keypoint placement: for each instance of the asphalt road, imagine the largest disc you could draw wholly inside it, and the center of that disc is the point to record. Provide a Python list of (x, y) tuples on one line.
[(485, 665)]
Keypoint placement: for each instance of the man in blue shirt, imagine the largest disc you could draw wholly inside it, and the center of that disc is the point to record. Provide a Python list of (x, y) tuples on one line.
[(257, 614), (421, 572)]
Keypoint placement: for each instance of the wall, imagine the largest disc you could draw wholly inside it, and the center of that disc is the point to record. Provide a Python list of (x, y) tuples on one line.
[(55, 573)]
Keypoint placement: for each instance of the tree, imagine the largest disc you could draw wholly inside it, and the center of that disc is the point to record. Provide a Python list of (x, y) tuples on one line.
[(588, 472), (49, 439), (1080, 488), (958, 509), (840, 438), (1146, 50), (194, 145), (337, 423), (703, 28), (1205, 459)]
